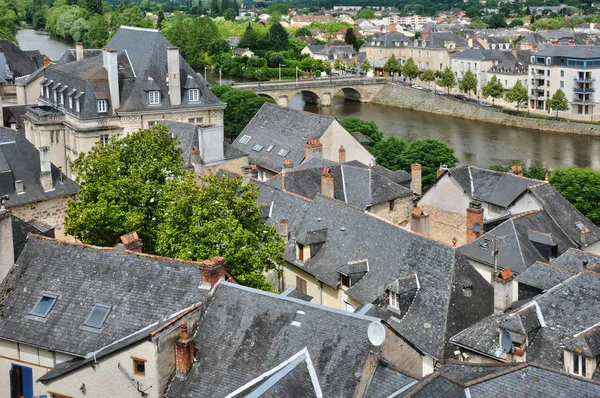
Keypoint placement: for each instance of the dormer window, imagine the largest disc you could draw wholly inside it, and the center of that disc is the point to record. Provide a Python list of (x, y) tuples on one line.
[(77, 106), (194, 95), (41, 90), (62, 99), (54, 95), (70, 103), (300, 252), (102, 106), (153, 97), (578, 364), (393, 300)]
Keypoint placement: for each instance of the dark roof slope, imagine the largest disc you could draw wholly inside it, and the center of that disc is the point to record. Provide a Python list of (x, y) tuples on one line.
[(22, 229), (20, 160), (245, 333), (142, 290), (281, 205), (398, 176), (387, 381), (19, 62)]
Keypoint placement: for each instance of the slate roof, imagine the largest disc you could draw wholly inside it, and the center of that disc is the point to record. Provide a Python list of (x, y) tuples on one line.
[(286, 129), (21, 229), (282, 205), (387, 381), (258, 333), (19, 62), (507, 381), (20, 160), (479, 54), (581, 52), (399, 176), (142, 290), (567, 310), (394, 253), (389, 40), (358, 186), (516, 242)]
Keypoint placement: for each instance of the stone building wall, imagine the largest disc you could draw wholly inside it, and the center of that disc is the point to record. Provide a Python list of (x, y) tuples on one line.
[(51, 212), (399, 215), (445, 225)]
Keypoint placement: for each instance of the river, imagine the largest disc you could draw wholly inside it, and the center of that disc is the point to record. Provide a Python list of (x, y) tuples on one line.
[(476, 143)]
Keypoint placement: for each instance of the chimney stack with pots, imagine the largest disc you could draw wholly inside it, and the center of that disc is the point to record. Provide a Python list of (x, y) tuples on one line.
[(342, 154), (184, 350), (283, 229), (517, 170), (474, 221), (583, 237), (78, 51), (174, 75), (109, 61), (313, 149), (415, 183), (327, 183), (443, 168), (132, 242), (46, 169), (7, 255), (47, 61), (419, 222), (287, 164), (211, 272)]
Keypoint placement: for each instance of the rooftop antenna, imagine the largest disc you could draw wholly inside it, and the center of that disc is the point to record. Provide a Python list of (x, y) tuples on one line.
[(495, 256)]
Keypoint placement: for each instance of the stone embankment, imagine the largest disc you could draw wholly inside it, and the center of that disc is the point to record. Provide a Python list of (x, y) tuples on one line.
[(426, 101)]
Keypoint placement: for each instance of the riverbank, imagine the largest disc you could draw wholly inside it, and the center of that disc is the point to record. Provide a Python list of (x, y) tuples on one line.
[(425, 101)]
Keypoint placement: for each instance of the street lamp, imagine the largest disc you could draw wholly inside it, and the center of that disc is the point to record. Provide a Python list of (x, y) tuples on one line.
[(205, 72), (280, 65), (296, 75), (220, 77), (259, 73), (244, 69)]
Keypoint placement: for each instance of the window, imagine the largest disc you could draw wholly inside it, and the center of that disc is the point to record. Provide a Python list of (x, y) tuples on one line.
[(102, 106), (548, 72), (62, 98), (244, 139), (348, 307), (578, 364), (346, 281), (300, 285), (44, 304), (562, 73), (300, 252), (104, 139), (196, 120), (54, 95), (257, 148), (97, 317), (139, 366), (393, 300), (51, 137), (42, 91), (48, 92), (70, 103), (77, 108), (562, 84), (194, 95), (154, 97)]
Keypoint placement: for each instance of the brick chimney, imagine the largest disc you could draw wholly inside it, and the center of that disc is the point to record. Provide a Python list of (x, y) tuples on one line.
[(109, 61), (424, 35), (7, 255), (474, 215), (78, 51), (211, 272), (327, 183), (517, 170), (415, 183), (571, 42), (443, 168), (313, 149), (46, 169), (282, 229), (184, 350), (342, 154), (287, 163), (174, 75), (554, 42), (132, 242), (47, 61)]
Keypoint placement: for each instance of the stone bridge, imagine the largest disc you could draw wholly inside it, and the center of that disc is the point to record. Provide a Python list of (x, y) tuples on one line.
[(319, 91)]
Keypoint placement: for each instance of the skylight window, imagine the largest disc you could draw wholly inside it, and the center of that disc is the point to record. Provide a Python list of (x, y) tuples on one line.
[(257, 148), (97, 317), (244, 139), (580, 225), (270, 148), (485, 244), (44, 304), (283, 152)]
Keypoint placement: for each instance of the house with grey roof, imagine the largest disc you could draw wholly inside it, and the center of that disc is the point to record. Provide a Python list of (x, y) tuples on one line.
[(138, 80), (36, 188), (95, 321), (557, 329), (281, 346), (486, 380), (278, 136)]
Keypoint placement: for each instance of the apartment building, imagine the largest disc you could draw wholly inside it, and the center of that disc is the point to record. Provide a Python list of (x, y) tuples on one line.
[(573, 69), (414, 20)]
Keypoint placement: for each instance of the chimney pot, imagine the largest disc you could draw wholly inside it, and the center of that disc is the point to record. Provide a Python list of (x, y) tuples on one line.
[(47, 61), (517, 170), (211, 272), (441, 170), (287, 163), (184, 350), (415, 183), (78, 51), (419, 221), (313, 149), (474, 215), (132, 242), (583, 237), (327, 183)]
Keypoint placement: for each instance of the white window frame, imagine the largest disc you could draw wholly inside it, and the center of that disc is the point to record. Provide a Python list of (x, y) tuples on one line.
[(70, 102), (77, 105), (62, 98), (104, 138), (54, 95), (41, 90), (153, 97), (194, 95), (580, 360), (346, 306), (393, 301), (102, 106)]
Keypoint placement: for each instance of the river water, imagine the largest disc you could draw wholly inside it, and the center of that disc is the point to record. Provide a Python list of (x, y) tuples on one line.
[(476, 143)]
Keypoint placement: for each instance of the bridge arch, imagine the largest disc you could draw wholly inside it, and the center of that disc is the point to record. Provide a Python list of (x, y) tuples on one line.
[(350, 93), (261, 94), (310, 97)]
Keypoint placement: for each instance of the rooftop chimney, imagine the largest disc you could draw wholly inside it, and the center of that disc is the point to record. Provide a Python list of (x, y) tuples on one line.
[(313, 149), (174, 76), (470, 42), (517, 170), (47, 61), (342, 154), (424, 35), (415, 183), (474, 221), (327, 183), (571, 42), (419, 222), (287, 163), (109, 61), (582, 237), (184, 350), (443, 168), (78, 51), (46, 169), (211, 272), (283, 229), (7, 255), (132, 242)]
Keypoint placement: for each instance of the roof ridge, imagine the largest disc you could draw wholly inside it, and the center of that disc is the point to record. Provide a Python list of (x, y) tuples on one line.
[(560, 372), (503, 372), (527, 213)]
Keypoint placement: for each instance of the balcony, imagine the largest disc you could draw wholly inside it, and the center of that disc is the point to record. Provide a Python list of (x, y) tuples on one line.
[(583, 90), (583, 101), (584, 79)]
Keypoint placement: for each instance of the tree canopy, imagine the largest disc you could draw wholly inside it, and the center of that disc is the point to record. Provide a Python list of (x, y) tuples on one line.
[(392, 66), (468, 83), (430, 154), (447, 79), (410, 69), (428, 76), (559, 101), (493, 89), (581, 187), (517, 95), (368, 128)]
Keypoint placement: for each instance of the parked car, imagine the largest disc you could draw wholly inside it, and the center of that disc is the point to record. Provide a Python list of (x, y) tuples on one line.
[(461, 97), (438, 92), (484, 103), (416, 86)]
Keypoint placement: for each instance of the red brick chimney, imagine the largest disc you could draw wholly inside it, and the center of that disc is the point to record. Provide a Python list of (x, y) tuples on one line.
[(132, 242), (211, 272), (571, 42), (424, 35), (47, 61), (313, 149), (474, 215), (415, 183), (517, 170), (342, 154), (184, 350), (441, 170), (287, 163), (327, 183)]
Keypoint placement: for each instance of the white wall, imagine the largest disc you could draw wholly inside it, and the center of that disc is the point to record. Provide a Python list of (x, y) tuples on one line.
[(335, 136), (447, 195)]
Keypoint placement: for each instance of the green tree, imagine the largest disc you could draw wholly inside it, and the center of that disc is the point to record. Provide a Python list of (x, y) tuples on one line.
[(365, 65), (67, 20), (515, 23), (389, 152), (559, 102), (159, 19), (194, 36), (241, 108), (365, 13), (275, 59), (250, 39), (368, 128), (6, 34), (93, 6), (229, 14), (430, 154), (518, 94), (447, 79), (428, 76), (581, 187), (497, 21), (219, 218), (277, 38), (493, 89), (392, 66), (350, 38), (121, 185), (468, 83), (477, 23), (97, 33), (339, 64), (214, 8), (303, 31), (410, 69)]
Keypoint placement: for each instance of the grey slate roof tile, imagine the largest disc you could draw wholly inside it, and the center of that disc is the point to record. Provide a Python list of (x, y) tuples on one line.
[(19, 61), (387, 381)]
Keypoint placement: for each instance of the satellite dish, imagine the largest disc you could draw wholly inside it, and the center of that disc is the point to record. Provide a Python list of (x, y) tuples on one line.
[(477, 228), (506, 341), (376, 333)]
